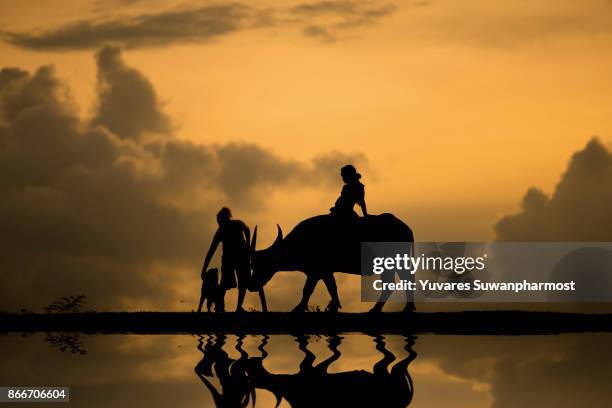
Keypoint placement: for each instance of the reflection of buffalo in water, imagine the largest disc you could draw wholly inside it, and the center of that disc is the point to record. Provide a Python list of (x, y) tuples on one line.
[(312, 385), (322, 245)]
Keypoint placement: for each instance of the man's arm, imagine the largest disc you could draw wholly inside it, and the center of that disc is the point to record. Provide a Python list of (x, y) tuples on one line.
[(211, 251)]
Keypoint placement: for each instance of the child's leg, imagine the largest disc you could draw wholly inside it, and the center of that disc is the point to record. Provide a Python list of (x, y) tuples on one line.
[(220, 302), (209, 303)]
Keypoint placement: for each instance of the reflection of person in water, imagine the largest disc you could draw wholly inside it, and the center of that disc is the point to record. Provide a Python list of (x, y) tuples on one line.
[(353, 192), (235, 390), (235, 237)]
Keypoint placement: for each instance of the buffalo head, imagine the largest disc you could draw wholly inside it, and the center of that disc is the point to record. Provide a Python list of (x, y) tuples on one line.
[(264, 262)]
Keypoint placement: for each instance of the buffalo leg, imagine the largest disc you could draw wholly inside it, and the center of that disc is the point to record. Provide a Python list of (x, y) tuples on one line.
[(333, 343), (410, 276), (262, 297), (241, 294), (381, 368), (202, 298), (387, 277), (309, 357), (404, 275), (332, 288), (309, 287)]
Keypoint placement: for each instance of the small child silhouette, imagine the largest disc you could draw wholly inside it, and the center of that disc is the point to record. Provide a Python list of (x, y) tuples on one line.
[(210, 290)]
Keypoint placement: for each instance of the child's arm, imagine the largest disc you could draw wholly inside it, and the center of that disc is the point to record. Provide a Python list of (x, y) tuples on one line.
[(361, 201)]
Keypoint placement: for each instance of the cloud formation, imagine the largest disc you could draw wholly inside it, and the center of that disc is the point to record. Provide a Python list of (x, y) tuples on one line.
[(202, 24), (326, 20), (152, 29), (478, 24), (116, 207), (578, 209), (123, 89)]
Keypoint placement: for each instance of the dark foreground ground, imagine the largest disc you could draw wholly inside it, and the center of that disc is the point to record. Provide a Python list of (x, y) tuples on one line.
[(493, 322)]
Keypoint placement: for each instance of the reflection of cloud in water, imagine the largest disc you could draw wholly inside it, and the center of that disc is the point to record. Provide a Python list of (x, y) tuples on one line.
[(474, 371), (543, 371)]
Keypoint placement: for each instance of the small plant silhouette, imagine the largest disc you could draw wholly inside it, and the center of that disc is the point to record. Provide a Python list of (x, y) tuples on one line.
[(66, 304)]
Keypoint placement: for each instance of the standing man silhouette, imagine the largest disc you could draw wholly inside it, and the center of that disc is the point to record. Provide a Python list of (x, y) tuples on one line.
[(235, 262)]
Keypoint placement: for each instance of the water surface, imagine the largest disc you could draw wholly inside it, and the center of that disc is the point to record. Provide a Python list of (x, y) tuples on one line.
[(350, 369)]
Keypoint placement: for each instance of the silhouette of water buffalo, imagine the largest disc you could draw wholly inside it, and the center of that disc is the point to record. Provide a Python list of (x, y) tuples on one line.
[(325, 244), (312, 385)]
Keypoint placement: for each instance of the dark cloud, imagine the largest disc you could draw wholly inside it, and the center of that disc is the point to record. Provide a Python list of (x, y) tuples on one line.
[(251, 170), (123, 89), (95, 207), (477, 25), (319, 32), (362, 9), (154, 29), (578, 209), (324, 20)]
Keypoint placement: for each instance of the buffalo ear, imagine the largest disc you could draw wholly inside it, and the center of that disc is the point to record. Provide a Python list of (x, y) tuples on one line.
[(254, 240)]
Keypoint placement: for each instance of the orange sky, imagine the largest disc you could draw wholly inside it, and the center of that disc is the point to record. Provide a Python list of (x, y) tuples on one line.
[(459, 107), (472, 100)]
